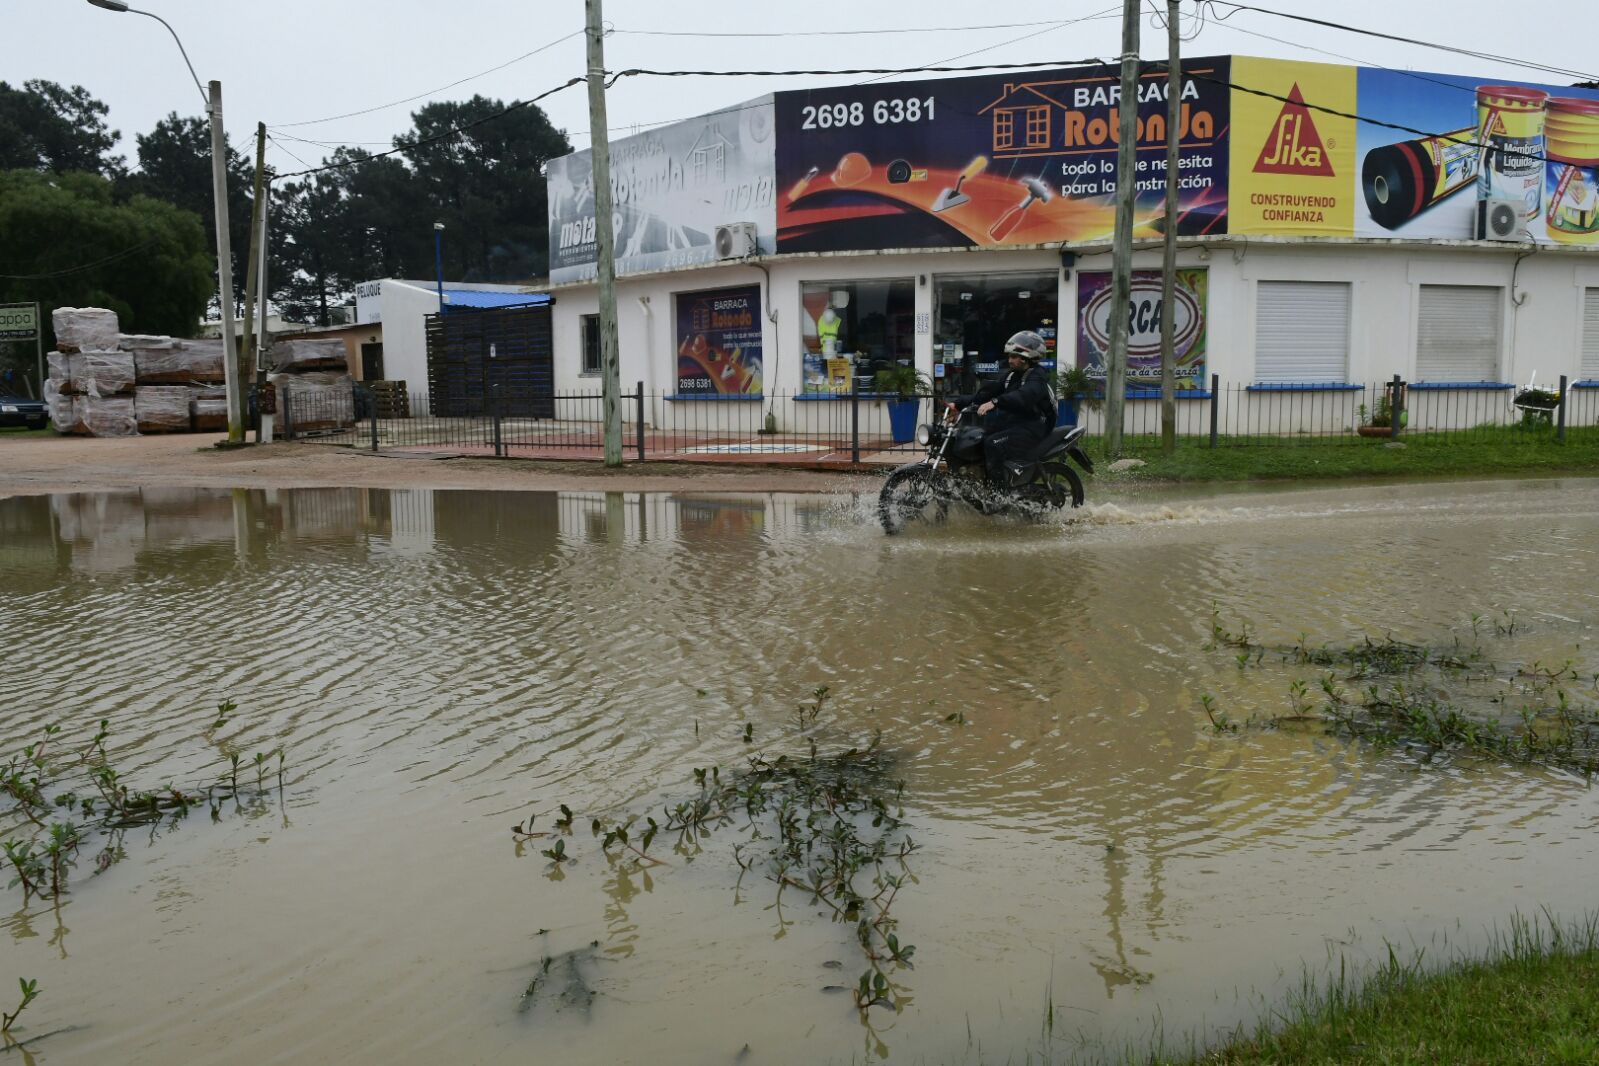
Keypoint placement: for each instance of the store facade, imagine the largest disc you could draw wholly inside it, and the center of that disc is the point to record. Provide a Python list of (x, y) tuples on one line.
[(784, 251)]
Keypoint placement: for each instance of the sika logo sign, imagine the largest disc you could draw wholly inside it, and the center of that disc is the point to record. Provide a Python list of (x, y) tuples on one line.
[(1294, 146)]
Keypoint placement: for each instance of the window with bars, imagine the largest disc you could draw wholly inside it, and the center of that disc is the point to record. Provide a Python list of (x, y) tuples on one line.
[(591, 344)]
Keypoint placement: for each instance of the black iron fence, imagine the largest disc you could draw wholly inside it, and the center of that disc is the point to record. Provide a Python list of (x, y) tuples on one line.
[(857, 427)]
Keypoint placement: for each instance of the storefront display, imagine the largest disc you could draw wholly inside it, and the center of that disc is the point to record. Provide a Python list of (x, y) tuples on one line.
[(866, 326), (976, 313), (719, 342)]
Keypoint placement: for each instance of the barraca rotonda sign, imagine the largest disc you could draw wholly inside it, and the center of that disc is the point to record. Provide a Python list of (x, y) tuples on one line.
[(671, 188)]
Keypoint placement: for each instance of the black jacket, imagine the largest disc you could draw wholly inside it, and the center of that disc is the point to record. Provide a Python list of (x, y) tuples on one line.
[(1022, 398)]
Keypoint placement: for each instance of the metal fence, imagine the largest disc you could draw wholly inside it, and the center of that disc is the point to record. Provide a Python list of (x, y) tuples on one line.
[(852, 428)]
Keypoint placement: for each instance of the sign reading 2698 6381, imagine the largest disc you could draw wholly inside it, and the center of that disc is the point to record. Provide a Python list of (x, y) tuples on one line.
[(878, 112)]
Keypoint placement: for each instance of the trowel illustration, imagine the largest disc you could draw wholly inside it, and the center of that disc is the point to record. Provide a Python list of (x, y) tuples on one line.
[(953, 197), (1036, 191)]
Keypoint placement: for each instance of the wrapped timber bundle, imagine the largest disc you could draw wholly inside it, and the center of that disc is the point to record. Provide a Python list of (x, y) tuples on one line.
[(296, 354), (176, 362), (64, 413), (315, 402), (99, 373), (208, 407), (82, 329), (108, 416), (162, 408)]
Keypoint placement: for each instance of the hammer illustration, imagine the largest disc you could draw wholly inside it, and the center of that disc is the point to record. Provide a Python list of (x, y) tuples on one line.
[(1036, 191)]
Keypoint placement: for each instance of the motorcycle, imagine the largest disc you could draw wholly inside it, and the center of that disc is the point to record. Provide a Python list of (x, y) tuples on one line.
[(953, 472)]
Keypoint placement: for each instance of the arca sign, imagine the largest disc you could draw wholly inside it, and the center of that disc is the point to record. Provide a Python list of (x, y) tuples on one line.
[(1143, 319)]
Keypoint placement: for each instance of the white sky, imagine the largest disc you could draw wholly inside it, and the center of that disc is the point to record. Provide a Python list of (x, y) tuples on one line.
[(288, 61)]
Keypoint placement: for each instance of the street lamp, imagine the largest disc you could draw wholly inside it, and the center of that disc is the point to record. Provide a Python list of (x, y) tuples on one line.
[(438, 260), (219, 192)]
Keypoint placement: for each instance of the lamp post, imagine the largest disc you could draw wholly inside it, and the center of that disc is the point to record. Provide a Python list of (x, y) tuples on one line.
[(438, 260), (219, 192)]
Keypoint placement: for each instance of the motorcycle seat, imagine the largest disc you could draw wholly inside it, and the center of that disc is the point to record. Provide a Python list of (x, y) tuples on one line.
[(1060, 438)]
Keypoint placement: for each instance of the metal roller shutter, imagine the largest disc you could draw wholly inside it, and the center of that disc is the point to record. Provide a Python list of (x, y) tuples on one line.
[(1590, 334), (1459, 333), (1301, 332)]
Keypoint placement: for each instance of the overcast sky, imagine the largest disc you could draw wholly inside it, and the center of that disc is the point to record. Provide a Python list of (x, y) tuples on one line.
[(287, 62)]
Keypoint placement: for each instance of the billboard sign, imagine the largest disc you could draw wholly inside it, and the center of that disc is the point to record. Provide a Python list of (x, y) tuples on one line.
[(994, 161), (1293, 166), (1144, 311), (671, 188), (19, 322), (719, 342)]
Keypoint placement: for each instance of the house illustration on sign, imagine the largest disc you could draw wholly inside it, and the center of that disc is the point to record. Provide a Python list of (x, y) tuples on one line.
[(707, 157), (1023, 118)]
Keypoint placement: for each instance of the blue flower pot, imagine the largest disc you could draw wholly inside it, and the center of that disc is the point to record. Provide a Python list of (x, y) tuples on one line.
[(902, 419)]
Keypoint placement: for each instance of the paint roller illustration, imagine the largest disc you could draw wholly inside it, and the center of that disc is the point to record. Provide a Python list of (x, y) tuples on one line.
[(953, 197), (1403, 180), (1037, 192)]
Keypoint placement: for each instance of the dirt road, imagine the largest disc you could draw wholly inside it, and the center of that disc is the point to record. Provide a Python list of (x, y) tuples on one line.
[(32, 465)]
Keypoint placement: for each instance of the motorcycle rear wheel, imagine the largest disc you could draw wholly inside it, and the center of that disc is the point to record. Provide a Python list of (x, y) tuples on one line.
[(1062, 486), (909, 495)]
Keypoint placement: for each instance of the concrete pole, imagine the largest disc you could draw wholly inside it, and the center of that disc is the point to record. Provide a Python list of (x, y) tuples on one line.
[(610, 375), (1122, 246), (219, 190), (1168, 266)]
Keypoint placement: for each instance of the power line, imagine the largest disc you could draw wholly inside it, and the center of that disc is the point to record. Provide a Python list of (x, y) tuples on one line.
[(430, 92), (1472, 53), (1105, 13), (844, 33), (85, 266), (632, 71)]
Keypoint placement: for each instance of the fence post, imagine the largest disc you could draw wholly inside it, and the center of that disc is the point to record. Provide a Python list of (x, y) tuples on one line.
[(854, 418), (1394, 396), (1215, 404), (640, 416), (288, 411), (494, 406), (372, 413), (1560, 413)]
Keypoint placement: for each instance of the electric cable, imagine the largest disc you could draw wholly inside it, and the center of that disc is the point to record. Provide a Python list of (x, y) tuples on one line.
[(844, 33), (85, 266), (430, 92), (1472, 53)]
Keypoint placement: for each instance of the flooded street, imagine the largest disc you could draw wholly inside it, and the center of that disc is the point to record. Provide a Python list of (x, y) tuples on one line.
[(437, 666)]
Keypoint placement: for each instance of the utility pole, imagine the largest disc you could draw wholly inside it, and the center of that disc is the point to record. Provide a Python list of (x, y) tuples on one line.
[(610, 376), (1168, 266), (230, 343), (251, 342), (1122, 245)]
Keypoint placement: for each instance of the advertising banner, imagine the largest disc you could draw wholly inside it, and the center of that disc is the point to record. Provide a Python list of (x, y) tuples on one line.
[(1144, 312), (19, 321), (719, 342), (991, 161), (1293, 167), (671, 188)]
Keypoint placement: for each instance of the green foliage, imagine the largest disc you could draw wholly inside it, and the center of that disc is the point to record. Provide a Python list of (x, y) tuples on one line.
[(48, 127), (1074, 382), (74, 245), (30, 992), (906, 382)]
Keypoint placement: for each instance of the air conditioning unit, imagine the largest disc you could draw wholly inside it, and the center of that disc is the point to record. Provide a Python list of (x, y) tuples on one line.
[(1499, 220), (736, 240)]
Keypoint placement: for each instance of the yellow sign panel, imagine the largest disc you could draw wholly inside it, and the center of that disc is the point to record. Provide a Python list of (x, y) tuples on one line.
[(1292, 161)]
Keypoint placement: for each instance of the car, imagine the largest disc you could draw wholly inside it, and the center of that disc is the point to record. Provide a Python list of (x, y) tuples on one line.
[(21, 411)]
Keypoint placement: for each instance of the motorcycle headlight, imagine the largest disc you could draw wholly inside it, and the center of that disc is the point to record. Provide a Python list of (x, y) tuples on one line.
[(924, 434)]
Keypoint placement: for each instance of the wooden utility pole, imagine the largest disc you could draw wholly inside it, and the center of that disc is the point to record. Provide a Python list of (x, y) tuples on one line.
[(1122, 245), (247, 349), (1168, 266), (219, 192), (610, 376)]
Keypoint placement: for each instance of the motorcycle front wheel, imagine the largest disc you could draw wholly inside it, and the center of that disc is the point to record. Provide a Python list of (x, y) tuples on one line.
[(1062, 486), (909, 495)]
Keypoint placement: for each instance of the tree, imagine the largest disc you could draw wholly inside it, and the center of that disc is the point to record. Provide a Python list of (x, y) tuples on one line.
[(175, 166), (68, 242), (45, 126)]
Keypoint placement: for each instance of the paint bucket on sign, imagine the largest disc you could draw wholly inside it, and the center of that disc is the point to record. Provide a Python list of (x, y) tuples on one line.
[(1571, 173), (1510, 129), (1403, 180)]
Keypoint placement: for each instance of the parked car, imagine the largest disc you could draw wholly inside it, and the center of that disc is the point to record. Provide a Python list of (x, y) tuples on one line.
[(20, 411)]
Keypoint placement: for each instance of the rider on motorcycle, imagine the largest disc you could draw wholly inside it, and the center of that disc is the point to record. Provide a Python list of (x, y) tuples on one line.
[(1018, 410)]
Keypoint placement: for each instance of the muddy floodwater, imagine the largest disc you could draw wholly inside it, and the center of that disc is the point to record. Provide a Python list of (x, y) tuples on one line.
[(1095, 863)]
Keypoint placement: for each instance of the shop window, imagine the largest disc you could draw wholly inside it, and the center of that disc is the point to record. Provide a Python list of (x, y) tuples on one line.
[(591, 344), (974, 314), (855, 329), (1302, 332), (1459, 333)]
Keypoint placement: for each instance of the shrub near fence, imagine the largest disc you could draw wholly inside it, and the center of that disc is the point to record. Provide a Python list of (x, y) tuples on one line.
[(852, 427)]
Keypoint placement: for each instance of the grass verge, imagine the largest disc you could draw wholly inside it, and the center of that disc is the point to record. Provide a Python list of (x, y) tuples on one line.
[(1528, 999), (1484, 452)]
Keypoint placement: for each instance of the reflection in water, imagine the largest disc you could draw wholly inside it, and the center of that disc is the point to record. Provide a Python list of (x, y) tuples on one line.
[(434, 661)]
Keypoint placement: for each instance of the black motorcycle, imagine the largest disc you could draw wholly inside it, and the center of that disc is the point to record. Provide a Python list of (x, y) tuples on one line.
[(953, 472)]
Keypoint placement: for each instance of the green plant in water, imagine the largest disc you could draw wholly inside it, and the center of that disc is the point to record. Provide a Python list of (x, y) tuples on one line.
[(30, 992)]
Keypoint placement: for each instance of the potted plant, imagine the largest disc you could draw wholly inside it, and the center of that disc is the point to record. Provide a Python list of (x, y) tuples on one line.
[(1076, 391), (906, 385), (1381, 421), (1537, 406)]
